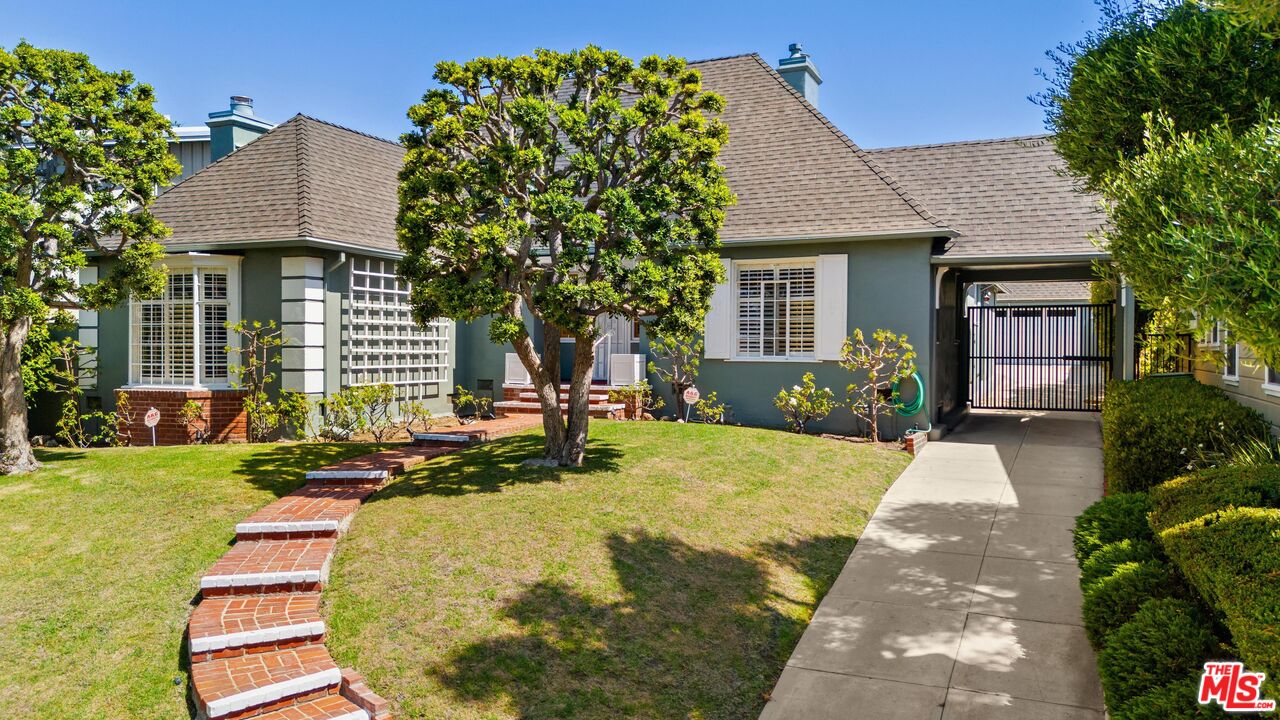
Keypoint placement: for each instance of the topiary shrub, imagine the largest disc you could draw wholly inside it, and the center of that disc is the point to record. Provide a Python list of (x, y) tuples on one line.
[(1150, 426), (1232, 559), (1113, 600), (1107, 558), (1166, 641), (1175, 701), (1200, 493), (1111, 519)]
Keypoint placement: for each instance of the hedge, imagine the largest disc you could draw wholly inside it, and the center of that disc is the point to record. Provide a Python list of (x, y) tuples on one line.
[(1150, 426), (1104, 561), (1113, 600), (1191, 496), (1175, 701), (1232, 559), (1111, 519), (1166, 641)]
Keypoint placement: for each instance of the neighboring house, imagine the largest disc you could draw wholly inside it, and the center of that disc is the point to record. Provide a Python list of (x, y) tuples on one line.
[(1233, 367), (298, 226)]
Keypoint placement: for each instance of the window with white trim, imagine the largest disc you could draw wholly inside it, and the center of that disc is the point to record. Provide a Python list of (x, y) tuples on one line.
[(1271, 378), (181, 337), (775, 309), (1231, 359), (383, 343)]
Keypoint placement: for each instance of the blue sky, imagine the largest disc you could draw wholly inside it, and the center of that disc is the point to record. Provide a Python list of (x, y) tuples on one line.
[(895, 73)]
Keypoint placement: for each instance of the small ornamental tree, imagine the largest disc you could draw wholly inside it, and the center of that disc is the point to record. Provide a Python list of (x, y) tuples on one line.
[(676, 364), (556, 188), (804, 403), (887, 359), (82, 153)]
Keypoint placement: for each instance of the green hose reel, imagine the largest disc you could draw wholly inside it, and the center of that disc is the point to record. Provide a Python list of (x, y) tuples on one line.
[(917, 403)]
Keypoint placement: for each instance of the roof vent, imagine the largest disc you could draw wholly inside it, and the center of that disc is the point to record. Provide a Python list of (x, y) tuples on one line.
[(798, 70)]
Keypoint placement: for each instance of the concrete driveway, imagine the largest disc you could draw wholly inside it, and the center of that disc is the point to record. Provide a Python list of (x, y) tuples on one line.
[(961, 600)]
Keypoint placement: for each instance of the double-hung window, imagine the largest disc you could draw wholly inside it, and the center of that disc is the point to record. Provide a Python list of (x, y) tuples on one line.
[(775, 309), (181, 338), (1271, 381), (1230, 358)]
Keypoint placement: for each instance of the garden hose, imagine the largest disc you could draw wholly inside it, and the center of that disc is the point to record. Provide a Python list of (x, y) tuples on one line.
[(916, 405)]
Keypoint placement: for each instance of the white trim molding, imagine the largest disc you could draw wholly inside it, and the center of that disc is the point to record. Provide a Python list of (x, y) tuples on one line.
[(302, 324)]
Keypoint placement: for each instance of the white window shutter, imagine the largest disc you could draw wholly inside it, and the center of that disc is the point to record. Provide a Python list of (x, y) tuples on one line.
[(718, 332), (832, 305)]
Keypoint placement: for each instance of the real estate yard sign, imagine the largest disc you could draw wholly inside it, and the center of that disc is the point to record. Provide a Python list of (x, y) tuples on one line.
[(691, 396), (151, 420)]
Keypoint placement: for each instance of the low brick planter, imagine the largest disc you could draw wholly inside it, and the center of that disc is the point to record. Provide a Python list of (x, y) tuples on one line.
[(223, 409)]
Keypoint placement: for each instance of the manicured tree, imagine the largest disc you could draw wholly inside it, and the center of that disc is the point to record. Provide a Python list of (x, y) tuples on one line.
[(82, 154), (556, 188)]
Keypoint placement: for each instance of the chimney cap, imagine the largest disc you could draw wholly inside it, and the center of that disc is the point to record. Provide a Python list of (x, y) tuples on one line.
[(797, 50)]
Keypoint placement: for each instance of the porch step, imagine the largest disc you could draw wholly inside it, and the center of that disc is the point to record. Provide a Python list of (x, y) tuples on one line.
[(313, 511), (250, 685), (599, 410), (270, 566), (564, 396), (222, 627), (331, 707)]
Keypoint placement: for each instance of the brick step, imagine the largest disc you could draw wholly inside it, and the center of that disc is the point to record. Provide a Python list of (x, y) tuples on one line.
[(596, 385), (428, 439), (312, 511), (332, 707), (270, 566), (223, 627), (250, 685), (374, 478), (602, 410), (564, 397)]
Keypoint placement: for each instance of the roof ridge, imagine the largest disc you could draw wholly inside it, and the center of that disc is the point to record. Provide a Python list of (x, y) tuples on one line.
[(348, 129), (302, 153), (983, 141), (858, 152), (723, 57)]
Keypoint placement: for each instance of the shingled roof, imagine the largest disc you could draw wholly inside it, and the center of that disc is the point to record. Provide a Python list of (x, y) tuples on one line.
[(795, 174), (1005, 197), (305, 179)]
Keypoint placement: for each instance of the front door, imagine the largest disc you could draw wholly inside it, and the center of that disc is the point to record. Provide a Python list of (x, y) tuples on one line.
[(615, 337)]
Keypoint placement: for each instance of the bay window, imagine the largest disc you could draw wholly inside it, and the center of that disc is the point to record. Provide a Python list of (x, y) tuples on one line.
[(180, 338)]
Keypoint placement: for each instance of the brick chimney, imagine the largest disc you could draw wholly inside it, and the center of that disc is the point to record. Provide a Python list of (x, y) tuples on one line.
[(799, 70)]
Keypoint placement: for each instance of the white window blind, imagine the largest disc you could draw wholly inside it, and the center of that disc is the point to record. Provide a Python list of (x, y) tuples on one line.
[(384, 344), (181, 337), (775, 310)]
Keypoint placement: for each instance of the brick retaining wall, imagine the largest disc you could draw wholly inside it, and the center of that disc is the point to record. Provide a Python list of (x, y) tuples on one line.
[(223, 409)]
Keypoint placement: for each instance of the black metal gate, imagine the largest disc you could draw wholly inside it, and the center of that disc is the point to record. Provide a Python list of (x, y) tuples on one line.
[(1039, 357)]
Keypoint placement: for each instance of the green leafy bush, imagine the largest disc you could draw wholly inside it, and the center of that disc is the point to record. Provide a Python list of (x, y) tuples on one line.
[(1152, 429), (1166, 641), (1175, 701), (1104, 561), (804, 403), (1201, 493), (1111, 519), (1111, 601), (1232, 559)]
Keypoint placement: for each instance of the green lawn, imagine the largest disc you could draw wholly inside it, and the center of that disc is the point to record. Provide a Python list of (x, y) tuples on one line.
[(670, 578), (101, 557)]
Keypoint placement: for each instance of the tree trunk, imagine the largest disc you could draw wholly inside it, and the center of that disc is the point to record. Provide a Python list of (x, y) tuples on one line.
[(544, 373), (15, 446), (575, 441)]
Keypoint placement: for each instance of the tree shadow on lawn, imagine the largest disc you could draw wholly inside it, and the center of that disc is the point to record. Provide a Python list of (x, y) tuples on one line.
[(282, 468), (492, 466), (698, 634)]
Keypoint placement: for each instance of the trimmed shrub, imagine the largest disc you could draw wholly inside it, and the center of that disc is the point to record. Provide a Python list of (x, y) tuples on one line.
[(1166, 641), (1191, 496), (1232, 559), (1111, 519), (1175, 701), (1107, 558), (1113, 600), (1150, 426)]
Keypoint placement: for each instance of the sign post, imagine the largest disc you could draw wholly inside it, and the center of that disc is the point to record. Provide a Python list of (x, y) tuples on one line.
[(690, 396), (151, 420)]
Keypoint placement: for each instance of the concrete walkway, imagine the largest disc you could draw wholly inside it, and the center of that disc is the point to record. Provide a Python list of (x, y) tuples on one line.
[(961, 600)]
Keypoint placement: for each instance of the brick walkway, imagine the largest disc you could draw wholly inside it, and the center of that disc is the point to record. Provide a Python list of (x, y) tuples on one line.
[(256, 638)]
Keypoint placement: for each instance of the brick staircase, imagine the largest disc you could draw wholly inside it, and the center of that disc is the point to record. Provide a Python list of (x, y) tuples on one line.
[(256, 638), (523, 399)]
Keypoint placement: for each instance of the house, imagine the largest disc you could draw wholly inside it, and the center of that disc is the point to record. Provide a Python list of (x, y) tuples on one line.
[(296, 223), (1232, 366)]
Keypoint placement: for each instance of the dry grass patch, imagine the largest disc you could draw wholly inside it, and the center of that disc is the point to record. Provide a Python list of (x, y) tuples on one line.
[(669, 578)]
